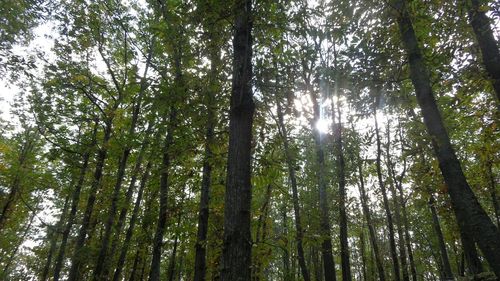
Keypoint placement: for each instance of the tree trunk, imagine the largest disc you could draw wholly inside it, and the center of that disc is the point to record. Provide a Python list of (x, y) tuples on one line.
[(103, 262), (287, 274), (339, 153), (75, 198), (493, 190), (447, 274), (324, 218), (74, 272), (471, 256), (133, 219), (295, 195), (413, 267), (52, 234), (486, 40), (5, 271), (363, 254), (131, 187), (390, 224), (200, 266), (172, 262), (261, 228), (397, 205), (236, 253), (469, 213), (154, 273), (371, 229)]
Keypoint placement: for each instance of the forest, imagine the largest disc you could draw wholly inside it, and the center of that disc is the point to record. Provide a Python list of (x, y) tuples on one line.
[(250, 140)]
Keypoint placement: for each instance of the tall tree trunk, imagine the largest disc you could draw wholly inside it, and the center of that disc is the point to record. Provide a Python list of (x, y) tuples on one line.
[(371, 229), (406, 226), (133, 220), (200, 266), (339, 153), (295, 195), (469, 213), (324, 218), (173, 256), (102, 154), (131, 187), (326, 244), (363, 254), (261, 228), (154, 273), (316, 264), (486, 40), (390, 224), (53, 234), (103, 262), (287, 274), (139, 267), (236, 253), (447, 274), (397, 205), (75, 198)]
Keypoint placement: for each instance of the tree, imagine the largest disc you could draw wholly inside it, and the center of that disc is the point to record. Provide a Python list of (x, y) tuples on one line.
[(470, 215), (236, 256)]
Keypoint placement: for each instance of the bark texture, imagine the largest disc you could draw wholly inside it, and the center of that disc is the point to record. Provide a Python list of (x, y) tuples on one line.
[(237, 241)]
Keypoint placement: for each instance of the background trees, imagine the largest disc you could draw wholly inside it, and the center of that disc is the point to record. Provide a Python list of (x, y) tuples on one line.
[(316, 140)]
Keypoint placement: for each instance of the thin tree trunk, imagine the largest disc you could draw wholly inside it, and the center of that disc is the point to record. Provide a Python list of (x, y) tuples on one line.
[(339, 152), (75, 198), (5, 272), (133, 219), (172, 262), (326, 244), (486, 40), (397, 205), (179, 85), (371, 229), (52, 234), (447, 274), (469, 213), (324, 218), (200, 266), (295, 196), (261, 227), (287, 275), (74, 272), (133, 272), (131, 187), (154, 273), (363, 254), (103, 262), (236, 253), (413, 267), (390, 224)]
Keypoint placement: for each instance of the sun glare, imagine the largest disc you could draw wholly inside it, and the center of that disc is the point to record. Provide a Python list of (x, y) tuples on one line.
[(322, 125)]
